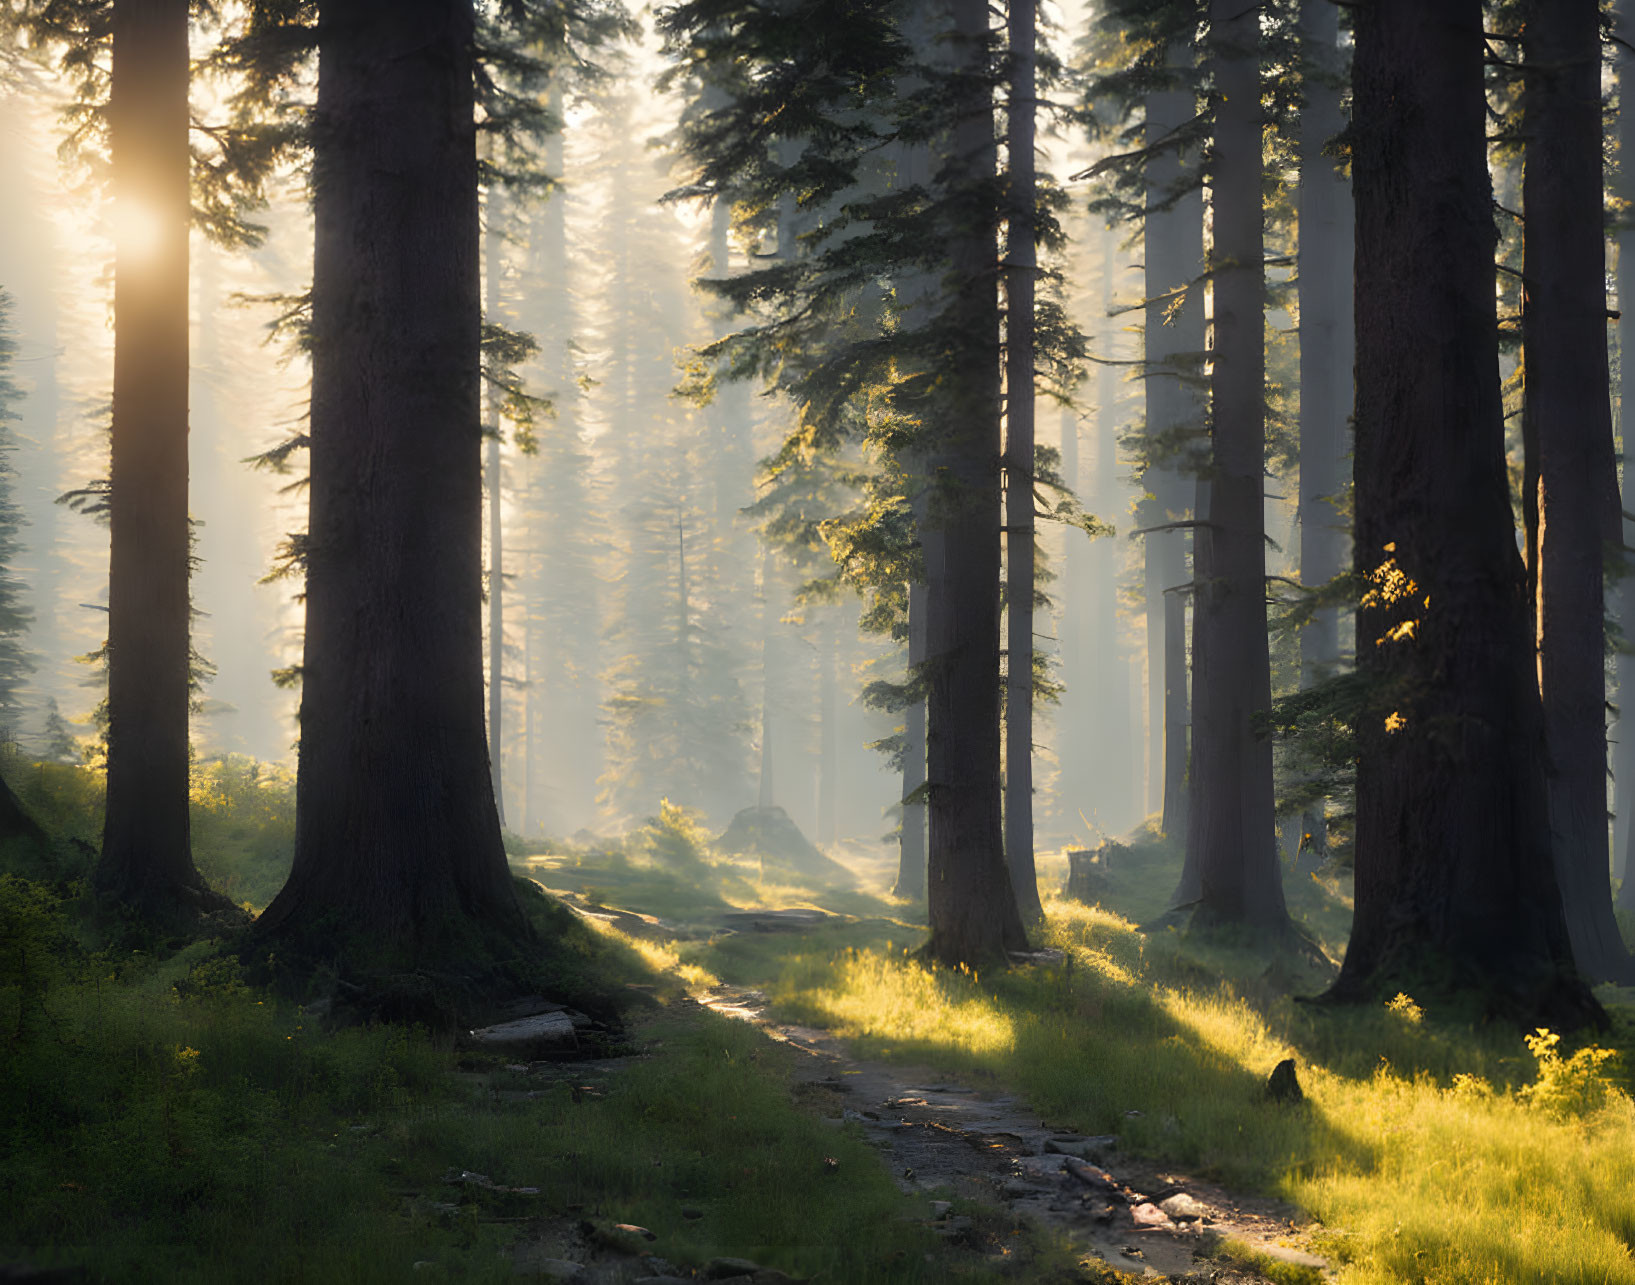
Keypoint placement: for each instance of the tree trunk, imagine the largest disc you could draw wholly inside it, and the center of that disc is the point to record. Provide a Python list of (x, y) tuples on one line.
[(493, 248), (398, 859), (765, 797), (1623, 770), (828, 732), (1173, 326), (1324, 276), (1232, 834), (973, 911), (1568, 422), (146, 863), (1020, 265), (1455, 888), (911, 845)]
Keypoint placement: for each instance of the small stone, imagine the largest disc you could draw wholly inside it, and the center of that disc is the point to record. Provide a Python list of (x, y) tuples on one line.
[(1149, 1215), (1284, 1085), (688, 1212), (940, 1208), (630, 1229), (529, 1037), (1184, 1207)]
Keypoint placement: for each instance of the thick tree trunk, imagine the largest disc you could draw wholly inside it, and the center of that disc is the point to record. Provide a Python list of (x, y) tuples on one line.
[(1232, 834), (1173, 325), (1569, 421), (146, 863), (973, 911), (398, 859), (1325, 357), (911, 844), (1455, 888), (1020, 265)]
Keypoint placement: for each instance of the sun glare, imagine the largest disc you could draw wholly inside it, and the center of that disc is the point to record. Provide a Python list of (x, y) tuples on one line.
[(137, 229)]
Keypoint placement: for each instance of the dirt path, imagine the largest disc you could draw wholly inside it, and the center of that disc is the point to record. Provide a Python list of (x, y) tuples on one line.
[(940, 1134)]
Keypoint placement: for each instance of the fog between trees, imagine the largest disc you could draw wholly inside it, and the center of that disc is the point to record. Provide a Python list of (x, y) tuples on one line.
[(665, 618)]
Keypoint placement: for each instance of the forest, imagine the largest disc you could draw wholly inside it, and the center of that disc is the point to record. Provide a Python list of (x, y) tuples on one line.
[(816, 640)]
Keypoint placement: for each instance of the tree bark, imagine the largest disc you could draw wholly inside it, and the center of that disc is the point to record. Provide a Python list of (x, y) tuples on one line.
[(1455, 888), (1324, 275), (493, 248), (146, 863), (1568, 418), (973, 911), (398, 859), (1231, 833), (911, 844), (1021, 263), (1623, 768)]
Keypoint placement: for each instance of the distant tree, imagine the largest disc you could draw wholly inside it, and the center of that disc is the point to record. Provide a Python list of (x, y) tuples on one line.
[(1231, 829), (1567, 430), (1455, 888), (398, 859), (1142, 96), (1324, 278), (58, 743)]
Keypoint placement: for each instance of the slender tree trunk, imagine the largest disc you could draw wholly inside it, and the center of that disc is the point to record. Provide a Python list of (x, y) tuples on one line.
[(493, 249), (1325, 357), (1021, 262), (1232, 833), (1455, 888), (828, 733), (1173, 326), (973, 910), (765, 795), (1569, 420), (146, 863), (911, 847), (398, 858), (1623, 772)]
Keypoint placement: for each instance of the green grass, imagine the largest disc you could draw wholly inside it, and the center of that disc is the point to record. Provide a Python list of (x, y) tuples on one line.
[(1428, 1148), (165, 1122)]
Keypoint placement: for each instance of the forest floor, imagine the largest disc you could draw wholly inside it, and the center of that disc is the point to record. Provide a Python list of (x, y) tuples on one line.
[(818, 1104), (940, 1135)]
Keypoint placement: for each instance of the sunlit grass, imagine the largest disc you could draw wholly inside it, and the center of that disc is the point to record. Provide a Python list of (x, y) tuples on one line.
[(1414, 1147)]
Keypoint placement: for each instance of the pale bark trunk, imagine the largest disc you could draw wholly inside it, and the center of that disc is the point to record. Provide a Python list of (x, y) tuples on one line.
[(1325, 361), (1174, 336), (1231, 833), (493, 248)]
